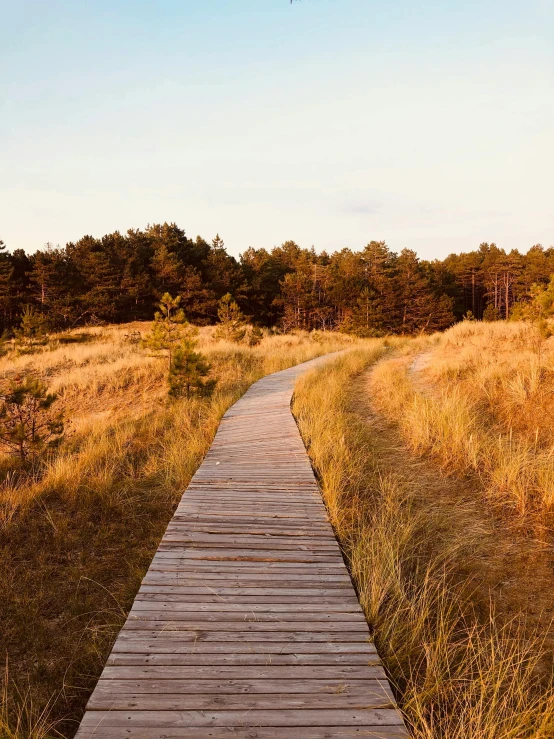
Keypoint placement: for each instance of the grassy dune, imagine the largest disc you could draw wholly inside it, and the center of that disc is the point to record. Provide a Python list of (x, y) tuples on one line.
[(78, 533), (442, 562), (435, 459), (479, 399)]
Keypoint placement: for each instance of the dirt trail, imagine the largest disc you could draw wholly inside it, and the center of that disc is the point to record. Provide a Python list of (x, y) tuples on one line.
[(507, 565), (416, 371)]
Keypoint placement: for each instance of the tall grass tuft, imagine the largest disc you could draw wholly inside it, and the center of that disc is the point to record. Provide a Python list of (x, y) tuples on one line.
[(20, 718)]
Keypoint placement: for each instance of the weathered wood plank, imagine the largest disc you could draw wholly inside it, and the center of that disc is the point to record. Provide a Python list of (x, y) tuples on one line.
[(222, 615), (274, 592), (268, 608), (187, 701), (259, 718), (194, 657), (313, 602), (101, 731), (269, 686), (165, 644), (177, 571), (255, 672), (244, 583), (252, 626), (205, 634)]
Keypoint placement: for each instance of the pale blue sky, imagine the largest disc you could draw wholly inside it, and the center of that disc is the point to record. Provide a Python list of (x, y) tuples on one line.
[(332, 122)]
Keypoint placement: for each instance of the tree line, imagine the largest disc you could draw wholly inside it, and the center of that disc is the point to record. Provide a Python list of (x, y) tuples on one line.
[(122, 277)]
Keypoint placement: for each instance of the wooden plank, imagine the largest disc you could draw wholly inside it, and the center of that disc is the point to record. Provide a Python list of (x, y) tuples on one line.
[(178, 571), (247, 624), (238, 566), (186, 701), (166, 596), (274, 592), (257, 718), (195, 657), (166, 644), (107, 688), (202, 539), (244, 583), (251, 554), (205, 634), (222, 615), (335, 608), (101, 731), (257, 672), (257, 526)]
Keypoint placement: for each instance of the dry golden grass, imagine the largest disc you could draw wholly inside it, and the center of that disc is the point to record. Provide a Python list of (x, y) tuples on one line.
[(106, 387), (77, 535), (479, 399), (460, 672)]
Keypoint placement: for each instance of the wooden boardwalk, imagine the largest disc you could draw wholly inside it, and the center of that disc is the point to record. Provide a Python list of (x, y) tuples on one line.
[(247, 624)]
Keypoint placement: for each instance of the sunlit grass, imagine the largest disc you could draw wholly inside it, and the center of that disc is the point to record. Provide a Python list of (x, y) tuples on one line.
[(480, 405), (458, 674), (77, 532)]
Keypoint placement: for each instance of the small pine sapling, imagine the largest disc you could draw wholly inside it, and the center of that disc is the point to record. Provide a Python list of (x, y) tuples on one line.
[(540, 311), (31, 332), (4, 342), (28, 425), (491, 314), (188, 370), (256, 336), (232, 325), (167, 329)]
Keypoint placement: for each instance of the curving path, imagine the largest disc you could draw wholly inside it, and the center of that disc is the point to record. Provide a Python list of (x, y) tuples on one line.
[(247, 624)]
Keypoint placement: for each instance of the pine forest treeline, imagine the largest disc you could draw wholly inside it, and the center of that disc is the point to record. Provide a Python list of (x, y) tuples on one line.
[(120, 278)]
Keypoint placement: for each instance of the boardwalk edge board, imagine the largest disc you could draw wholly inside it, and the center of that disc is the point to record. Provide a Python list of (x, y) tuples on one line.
[(247, 624)]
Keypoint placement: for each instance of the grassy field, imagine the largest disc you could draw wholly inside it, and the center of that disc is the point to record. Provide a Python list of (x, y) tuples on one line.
[(479, 400), (435, 458), (78, 532)]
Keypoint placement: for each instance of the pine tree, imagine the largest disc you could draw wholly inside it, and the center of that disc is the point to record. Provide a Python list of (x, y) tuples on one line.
[(218, 244), (4, 345), (301, 296), (232, 326), (6, 274), (168, 328), (103, 280), (542, 300), (56, 283), (379, 265), (222, 273), (415, 293), (188, 370), (262, 273), (367, 317), (168, 269), (539, 309), (27, 423), (256, 336), (491, 313), (439, 314), (32, 331)]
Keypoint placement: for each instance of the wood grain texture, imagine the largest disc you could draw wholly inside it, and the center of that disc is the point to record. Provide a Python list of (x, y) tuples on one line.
[(246, 624)]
